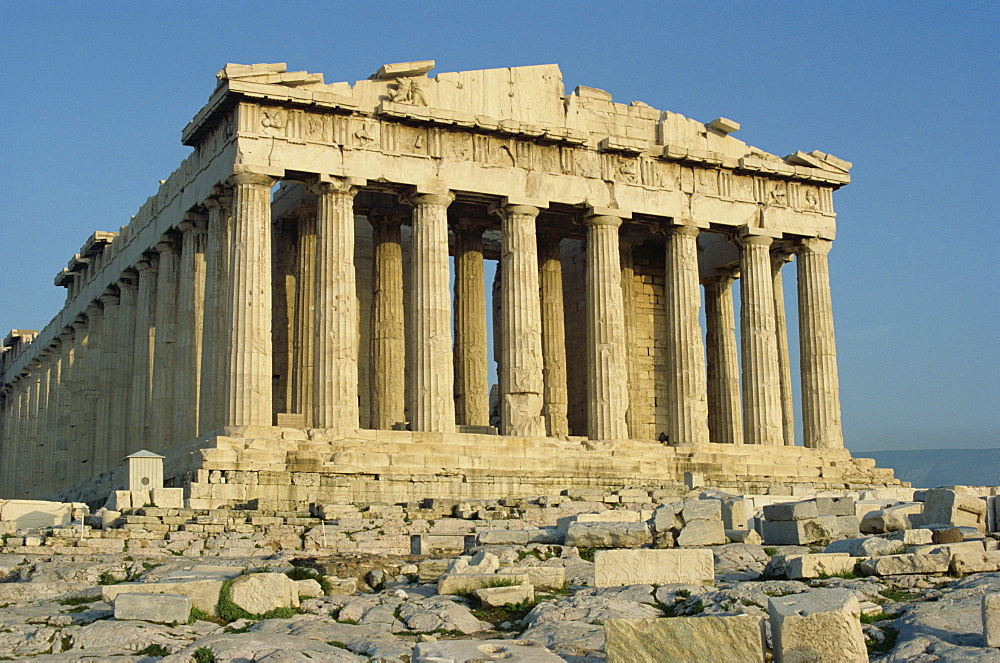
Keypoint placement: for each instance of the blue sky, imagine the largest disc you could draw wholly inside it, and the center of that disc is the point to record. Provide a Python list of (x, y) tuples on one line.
[(93, 96)]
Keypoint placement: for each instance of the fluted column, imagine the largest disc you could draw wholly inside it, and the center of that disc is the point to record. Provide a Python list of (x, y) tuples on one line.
[(21, 481), (637, 417), (761, 382), (335, 374), (82, 463), (818, 348), (687, 392), (143, 352), (92, 395), (64, 448), (161, 415), (33, 455), (303, 331), (472, 399), (122, 412), (248, 380), (46, 474), (433, 363), (607, 375), (110, 347), (522, 385), (553, 337), (190, 315), (388, 338), (725, 423), (37, 470), (778, 259), (215, 352)]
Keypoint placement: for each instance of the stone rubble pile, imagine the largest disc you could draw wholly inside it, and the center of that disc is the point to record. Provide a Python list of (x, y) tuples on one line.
[(553, 578)]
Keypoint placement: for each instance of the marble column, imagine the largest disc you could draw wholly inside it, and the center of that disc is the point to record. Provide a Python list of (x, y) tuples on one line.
[(817, 347), (304, 335), (472, 398), (248, 386), (687, 391), (92, 380), (23, 443), (335, 373), (388, 339), (725, 421), (607, 375), (432, 364), (38, 467), (637, 420), (190, 316), (81, 461), (761, 380), (778, 259), (143, 352), (522, 385), (162, 405), (33, 452), (52, 417), (122, 412), (215, 352), (64, 447), (553, 337)]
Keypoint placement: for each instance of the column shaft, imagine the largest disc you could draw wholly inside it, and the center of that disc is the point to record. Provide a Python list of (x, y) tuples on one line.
[(162, 405), (305, 314), (190, 314), (143, 352), (553, 338), (778, 259), (212, 392), (92, 394), (335, 375), (607, 376), (433, 363), (248, 379), (725, 424), (388, 352), (523, 384), (34, 455), (64, 448), (637, 419), (122, 412), (472, 399), (761, 384), (83, 463), (109, 349), (818, 348)]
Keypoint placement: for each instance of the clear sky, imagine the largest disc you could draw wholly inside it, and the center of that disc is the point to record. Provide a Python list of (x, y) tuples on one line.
[(93, 97)]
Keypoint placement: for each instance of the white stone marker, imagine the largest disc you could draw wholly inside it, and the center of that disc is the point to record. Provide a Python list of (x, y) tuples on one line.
[(616, 568)]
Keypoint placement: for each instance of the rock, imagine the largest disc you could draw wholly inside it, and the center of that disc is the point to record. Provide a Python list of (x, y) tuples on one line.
[(308, 588), (694, 510), (667, 517), (464, 583), (835, 506), (892, 519), (975, 562), (543, 577), (610, 516), (523, 537), (159, 608), (949, 535), (613, 568), (685, 639), (702, 533), (433, 544), (608, 535), (593, 605), (259, 593), (342, 586), (786, 511), (481, 562), (800, 532), (168, 498), (991, 619), (204, 592), (819, 625), (568, 639), (948, 548), (912, 537), (905, 564), (816, 565), (375, 579), (271, 648), (499, 596), (869, 546), (948, 506), (747, 536), (737, 513), (462, 651)]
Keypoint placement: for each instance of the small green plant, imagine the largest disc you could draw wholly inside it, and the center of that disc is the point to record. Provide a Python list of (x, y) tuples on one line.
[(878, 617), (67, 642), (128, 558), (106, 578), (511, 612), (770, 552), (203, 655), (77, 600), (147, 566), (154, 650), (79, 608), (847, 575), (587, 554), (306, 573), (697, 608), (197, 614), (899, 596), (683, 593), (502, 582), (888, 641), (597, 622), (341, 645)]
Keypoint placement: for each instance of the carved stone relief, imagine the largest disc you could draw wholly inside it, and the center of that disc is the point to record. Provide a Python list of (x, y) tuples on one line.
[(273, 121), (408, 91)]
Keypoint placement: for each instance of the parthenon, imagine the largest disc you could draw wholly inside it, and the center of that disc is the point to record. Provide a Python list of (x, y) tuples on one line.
[(300, 312)]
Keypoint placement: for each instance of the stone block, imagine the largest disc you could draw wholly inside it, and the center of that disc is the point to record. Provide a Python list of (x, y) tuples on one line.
[(481, 562), (869, 546), (702, 533), (741, 637), (748, 536), (521, 537), (500, 596), (610, 516), (342, 586), (991, 619), (892, 565), (893, 518), (787, 511), (204, 592), (973, 547), (737, 513), (835, 506), (429, 570), (465, 583), (168, 498), (975, 562), (259, 593), (608, 535), (119, 500), (947, 535), (308, 588), (799, 532), (615, 568), (694, 510), (947, 506), (432, 544), (667, 517), (461, 651), (819, 625), (818, 564), (158, 608), (912, 537), (548, 578), (847, 525), (36, 513)]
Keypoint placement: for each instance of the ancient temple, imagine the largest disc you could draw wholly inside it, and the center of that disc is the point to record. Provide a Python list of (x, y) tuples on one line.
[(300, 312)]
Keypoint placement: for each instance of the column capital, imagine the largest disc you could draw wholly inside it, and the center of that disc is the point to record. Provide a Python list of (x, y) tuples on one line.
[(682, 230), (92, 309), (418, 196), (168, 243), (723, 275), (193, 221), (387, 216), (129, 278), (251, 178), (756, 240), (816, 245), (79, 322), (517, 205), (65, 334), (605, 216), (109, 299), (324, 184), (221, 197)]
